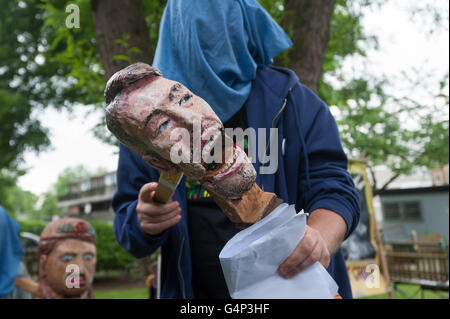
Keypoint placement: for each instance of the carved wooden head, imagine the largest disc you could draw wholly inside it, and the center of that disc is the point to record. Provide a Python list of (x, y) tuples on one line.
[(67, 257), (161, 120)]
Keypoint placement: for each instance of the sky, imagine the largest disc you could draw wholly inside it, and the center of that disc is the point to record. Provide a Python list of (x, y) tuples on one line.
[(73, 143), (404, 45)]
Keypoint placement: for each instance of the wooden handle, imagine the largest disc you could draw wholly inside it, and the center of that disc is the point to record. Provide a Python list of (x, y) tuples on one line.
[(166, 186), (27, 284)]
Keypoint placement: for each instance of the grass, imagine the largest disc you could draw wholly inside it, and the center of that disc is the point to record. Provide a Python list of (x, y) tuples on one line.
[(137, 293), (142, 293), (411, 290)]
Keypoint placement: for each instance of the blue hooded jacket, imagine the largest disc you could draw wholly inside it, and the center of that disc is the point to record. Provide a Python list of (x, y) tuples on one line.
[(312, 173)]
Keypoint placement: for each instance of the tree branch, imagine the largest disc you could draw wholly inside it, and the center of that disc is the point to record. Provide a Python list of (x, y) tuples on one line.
[(378, 191), (374, 179)]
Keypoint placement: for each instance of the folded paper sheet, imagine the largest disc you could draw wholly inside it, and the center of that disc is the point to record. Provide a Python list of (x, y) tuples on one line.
[(251, 258)]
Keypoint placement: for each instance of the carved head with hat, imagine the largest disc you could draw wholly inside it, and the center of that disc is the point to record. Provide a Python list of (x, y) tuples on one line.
[(67, 257)]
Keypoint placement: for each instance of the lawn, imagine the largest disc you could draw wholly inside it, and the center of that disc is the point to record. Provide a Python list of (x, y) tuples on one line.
[(137, 293), (411, 290), (142, 293)]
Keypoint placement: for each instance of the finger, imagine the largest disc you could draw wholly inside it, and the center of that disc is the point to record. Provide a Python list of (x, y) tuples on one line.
[(146, 190), (161, 218), (326, 258), (155, 229), (292, 267), (155, 209), (300, 253), (315, 256)]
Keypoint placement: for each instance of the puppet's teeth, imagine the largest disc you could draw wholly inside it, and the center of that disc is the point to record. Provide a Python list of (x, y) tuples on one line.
[(230, 163)]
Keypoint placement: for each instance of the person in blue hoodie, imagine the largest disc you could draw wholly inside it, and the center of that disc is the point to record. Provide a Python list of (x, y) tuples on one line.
[(223, 52), (11, 254)]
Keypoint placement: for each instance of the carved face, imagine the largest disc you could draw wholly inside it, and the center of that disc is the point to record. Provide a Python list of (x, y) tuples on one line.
[(152, 109), (52, 267)]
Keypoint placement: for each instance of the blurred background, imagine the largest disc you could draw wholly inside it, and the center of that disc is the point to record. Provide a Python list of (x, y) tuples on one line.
[(382, 66)]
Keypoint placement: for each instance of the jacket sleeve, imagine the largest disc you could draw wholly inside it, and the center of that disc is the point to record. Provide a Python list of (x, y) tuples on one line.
[(132, 174), (324, 181)]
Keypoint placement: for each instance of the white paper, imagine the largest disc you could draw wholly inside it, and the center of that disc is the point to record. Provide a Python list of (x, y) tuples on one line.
[(251, 258)]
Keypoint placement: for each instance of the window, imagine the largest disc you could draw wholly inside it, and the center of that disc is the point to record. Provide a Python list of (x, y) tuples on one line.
[(110, 179), (391, 211), (409, 211), (438, 180), (85, 186)]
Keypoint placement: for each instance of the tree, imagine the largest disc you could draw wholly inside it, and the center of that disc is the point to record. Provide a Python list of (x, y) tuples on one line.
[(46, 63), (309, 24), (371, 120), (19, 131), (121, 34), (113, 34), (385, 129)]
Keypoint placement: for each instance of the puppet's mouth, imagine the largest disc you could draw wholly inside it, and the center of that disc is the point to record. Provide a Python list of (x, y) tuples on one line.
[(230, 159), (210, 137), (233, 165), (79, 281)]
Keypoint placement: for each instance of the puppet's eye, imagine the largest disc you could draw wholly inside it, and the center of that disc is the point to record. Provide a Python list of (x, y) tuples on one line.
[(163, 126), (67, 257), (88, 256), (184, 99)]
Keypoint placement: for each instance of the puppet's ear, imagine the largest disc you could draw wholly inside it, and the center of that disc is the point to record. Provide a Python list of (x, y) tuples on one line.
[(41, 266), (155, 161)]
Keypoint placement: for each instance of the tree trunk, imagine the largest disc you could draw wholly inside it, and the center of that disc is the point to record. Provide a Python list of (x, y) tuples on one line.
[(121, 20), (309, 22)]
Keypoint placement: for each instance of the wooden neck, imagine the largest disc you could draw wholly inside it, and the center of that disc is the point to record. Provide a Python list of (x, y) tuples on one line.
[(253, 206)]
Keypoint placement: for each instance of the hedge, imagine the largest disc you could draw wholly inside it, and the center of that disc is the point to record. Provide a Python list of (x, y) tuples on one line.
[(110, 255)]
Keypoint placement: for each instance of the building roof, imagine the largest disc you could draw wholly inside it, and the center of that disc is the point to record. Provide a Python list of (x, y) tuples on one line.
[(417, 190)]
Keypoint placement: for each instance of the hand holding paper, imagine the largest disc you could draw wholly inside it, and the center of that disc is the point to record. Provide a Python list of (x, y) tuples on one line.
[(251, 258), (310, 249)]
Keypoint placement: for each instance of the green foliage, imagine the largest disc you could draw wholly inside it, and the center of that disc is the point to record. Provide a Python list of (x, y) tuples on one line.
[(110, 255), (30, 80), (153, 11), (19, 132), (69, 175), (376, 125), (347, 38), (274, 7), (49, 207), (33, 226), (371, 121), (74, 51), (17, 201)]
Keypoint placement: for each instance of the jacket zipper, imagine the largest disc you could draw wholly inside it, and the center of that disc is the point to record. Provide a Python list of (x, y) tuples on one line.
[(273, 125)]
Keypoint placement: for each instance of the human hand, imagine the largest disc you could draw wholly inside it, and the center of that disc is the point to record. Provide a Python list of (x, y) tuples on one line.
[(154, 217), (310, 249)]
